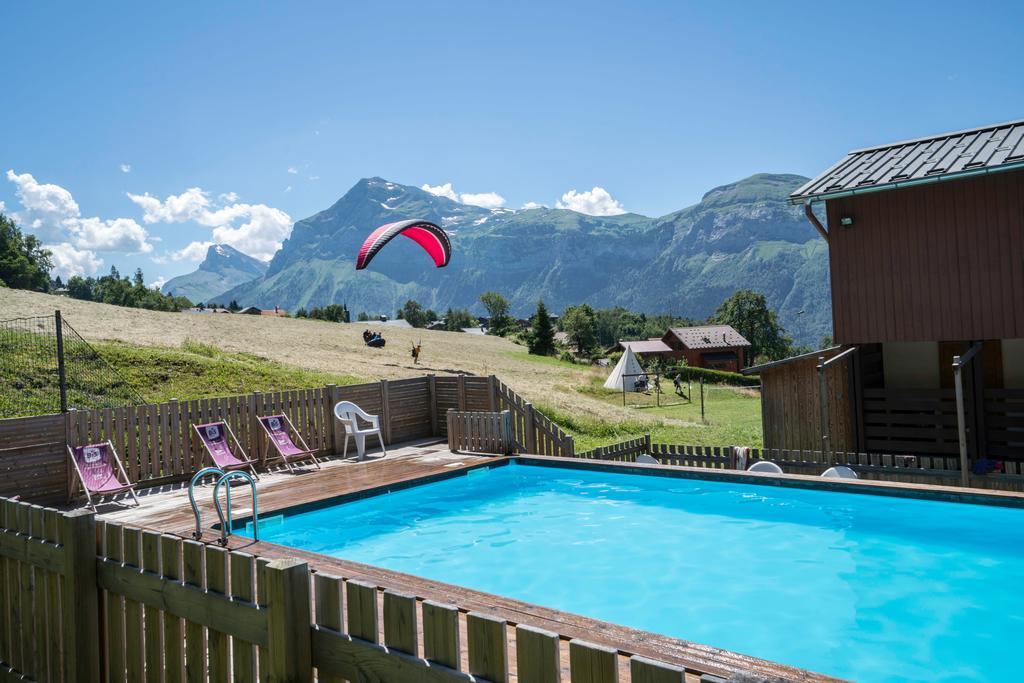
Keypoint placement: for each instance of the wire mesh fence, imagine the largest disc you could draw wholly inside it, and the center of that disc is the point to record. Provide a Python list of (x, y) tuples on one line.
[(47, 367)]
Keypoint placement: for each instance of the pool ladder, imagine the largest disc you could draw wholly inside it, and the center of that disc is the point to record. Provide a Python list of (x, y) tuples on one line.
[(225, 522)]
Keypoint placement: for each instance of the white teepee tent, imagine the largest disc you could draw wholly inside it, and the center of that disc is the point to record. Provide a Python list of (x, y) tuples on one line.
[(626, 372)]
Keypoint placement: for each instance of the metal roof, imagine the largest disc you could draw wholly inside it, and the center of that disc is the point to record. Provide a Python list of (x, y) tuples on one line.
[(709, 336), (912, 162), (646, 346)]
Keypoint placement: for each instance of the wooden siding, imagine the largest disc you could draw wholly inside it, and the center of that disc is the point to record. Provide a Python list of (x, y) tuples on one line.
[(929, 263), (791, 410), (33, 458)]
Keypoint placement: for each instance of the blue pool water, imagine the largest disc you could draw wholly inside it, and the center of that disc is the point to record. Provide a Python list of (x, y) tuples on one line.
[(864, 587)]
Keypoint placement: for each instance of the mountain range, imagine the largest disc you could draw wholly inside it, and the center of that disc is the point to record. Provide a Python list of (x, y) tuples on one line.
[(741, 235), (223, 268)]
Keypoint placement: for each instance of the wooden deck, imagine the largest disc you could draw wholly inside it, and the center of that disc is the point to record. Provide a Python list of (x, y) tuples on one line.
[(167, 509)]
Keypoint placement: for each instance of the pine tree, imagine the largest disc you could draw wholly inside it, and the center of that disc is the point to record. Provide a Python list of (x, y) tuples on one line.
[(542, 337)]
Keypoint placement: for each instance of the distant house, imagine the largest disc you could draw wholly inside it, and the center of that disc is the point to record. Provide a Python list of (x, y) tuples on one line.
[(197, 309), (397, 322), (717, 347), (474, 330), (649, 348), (275, 311)]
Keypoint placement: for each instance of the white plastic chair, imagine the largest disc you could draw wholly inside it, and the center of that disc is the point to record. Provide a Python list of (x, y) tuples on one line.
[(840, 472), (765, 466), (349, 414), (645, 459)]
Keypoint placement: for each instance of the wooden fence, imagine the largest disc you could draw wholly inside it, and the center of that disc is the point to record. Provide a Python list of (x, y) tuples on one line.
[(912, 469), (159, 446), (82, 600), (480, 432)]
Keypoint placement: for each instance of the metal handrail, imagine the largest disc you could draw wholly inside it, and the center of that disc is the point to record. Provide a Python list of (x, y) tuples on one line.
[(198, 533), (225, 525), (961, 419)]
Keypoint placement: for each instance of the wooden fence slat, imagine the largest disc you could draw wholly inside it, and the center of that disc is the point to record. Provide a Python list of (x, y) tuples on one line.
[(133, 642), (361, 599), (400, 623), (643, 670), (80, 614), (174, 632), (441, 634), (488, 646), (262, 654), (28, 612), (114, 609), (195, 638), (218, 655), (153, 626), (39, 599), (537, 655), (289, 649), (52, 531), (329, 611), (243, 654), (589, 663)]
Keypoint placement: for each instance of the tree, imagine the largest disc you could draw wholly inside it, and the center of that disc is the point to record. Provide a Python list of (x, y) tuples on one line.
[(138, 279), (362, 317), (234, 307), (748, 313), (24, 263), (414, 314), (497, 309), (541, 340), (581, 326), (457, 318)]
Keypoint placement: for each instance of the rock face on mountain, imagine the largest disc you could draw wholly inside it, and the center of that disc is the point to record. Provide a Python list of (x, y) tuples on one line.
[(224, 267), (742, 235)]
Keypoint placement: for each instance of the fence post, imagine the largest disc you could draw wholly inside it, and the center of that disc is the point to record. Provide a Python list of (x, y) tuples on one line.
[(337, 428), (432, 393), (331, 436), (255, 443), (647, 443), (61, 373), (80, 606), (492, 390), (385, 410), (462, 392), (826, 440), (289, 619), (531, 432)]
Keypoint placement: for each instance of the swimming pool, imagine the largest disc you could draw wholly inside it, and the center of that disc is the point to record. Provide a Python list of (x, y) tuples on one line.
[(859, 586)]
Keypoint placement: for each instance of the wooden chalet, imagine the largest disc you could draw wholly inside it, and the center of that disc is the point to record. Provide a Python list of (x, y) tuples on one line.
[(718, 347), (926, 255)]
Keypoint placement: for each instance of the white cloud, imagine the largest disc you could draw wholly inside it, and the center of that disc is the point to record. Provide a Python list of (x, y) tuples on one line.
[(596, 202), (119, 234), (256, 229), (195, 251), (314, 177), (441, 191), (69, 260), (48, 208), (487, 200), (293, 170), (288, 189), (533, 205), (228, 196), (126, 168), (158, 283), (190, 205), (3, 207), (55, 216)]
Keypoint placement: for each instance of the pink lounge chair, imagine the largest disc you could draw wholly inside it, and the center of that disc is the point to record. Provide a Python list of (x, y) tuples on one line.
[(97, 466), (214, 437), (276, 427)]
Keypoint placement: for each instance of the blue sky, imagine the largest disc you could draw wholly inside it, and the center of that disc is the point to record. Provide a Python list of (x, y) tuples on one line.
[(271, 111)]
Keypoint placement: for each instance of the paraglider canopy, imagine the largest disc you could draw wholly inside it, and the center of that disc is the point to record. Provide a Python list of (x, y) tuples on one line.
[(429, 236)]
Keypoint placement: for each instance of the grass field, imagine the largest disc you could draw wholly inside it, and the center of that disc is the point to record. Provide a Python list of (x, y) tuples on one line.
[(178, 355)]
